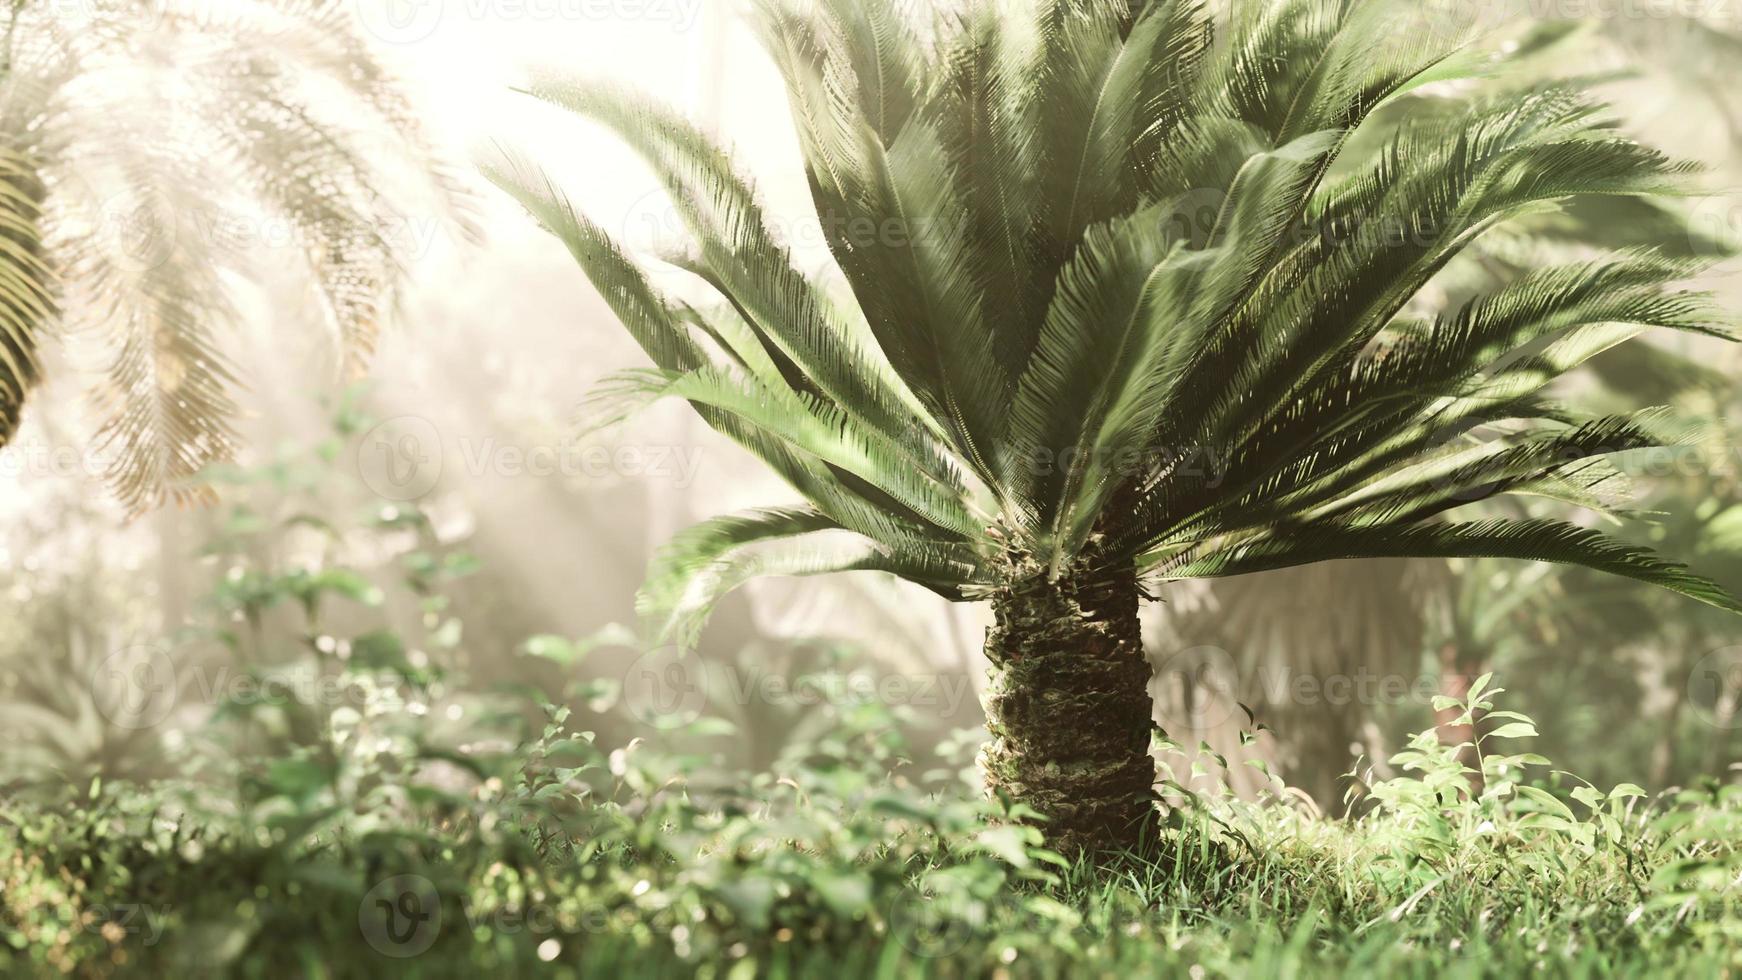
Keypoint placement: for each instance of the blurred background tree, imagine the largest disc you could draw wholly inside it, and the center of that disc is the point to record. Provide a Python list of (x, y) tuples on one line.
[(161, 162)]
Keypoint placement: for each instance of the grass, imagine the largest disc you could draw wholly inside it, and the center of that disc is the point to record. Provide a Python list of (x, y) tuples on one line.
[(847, 863), (414, 825)]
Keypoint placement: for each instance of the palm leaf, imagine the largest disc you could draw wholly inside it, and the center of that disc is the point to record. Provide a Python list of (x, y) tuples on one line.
[(1091, 245), (26, 294), (1531, 540), (142, 163)]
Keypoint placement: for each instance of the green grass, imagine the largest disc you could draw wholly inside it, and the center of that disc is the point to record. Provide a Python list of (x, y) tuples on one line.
[(507, 849), (848, 863)]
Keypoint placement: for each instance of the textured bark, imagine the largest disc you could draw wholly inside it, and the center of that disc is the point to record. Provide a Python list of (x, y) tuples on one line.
[(1069, 711)]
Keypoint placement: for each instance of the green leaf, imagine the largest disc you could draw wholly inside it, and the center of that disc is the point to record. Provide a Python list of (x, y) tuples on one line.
[(1476, 689), (1008, 844), (1513, 729), (846, 893)]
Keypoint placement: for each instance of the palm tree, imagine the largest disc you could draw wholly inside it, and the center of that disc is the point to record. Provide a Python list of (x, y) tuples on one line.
[(146, 150), (1338, 618), (1125, 304)]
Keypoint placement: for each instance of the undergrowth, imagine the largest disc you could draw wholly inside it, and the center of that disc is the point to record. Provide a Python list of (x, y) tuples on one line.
[(346, 804), (843, 862)]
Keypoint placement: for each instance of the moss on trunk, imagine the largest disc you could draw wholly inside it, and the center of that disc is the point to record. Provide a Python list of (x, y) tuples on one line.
[(1069, 711)]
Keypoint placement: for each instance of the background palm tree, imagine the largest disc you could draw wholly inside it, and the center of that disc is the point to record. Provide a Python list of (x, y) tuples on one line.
[(1423, 619), (151, 153), (1127, 300)]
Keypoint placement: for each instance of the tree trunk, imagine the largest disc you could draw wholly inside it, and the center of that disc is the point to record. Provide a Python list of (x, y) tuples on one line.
[(1069, 711)]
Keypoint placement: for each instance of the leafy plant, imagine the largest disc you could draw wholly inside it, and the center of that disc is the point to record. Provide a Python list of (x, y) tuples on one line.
[(1087, 247), (640, 861)]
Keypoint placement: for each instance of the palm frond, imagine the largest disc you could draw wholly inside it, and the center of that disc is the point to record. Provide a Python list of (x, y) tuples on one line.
[(1128, 287), (712, 558), (803, 450), (26, 289), (156, 136), (1530, 540)]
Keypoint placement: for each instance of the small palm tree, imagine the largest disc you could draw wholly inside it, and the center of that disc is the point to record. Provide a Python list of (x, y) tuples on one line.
[(1125, 303), (146, 152)]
